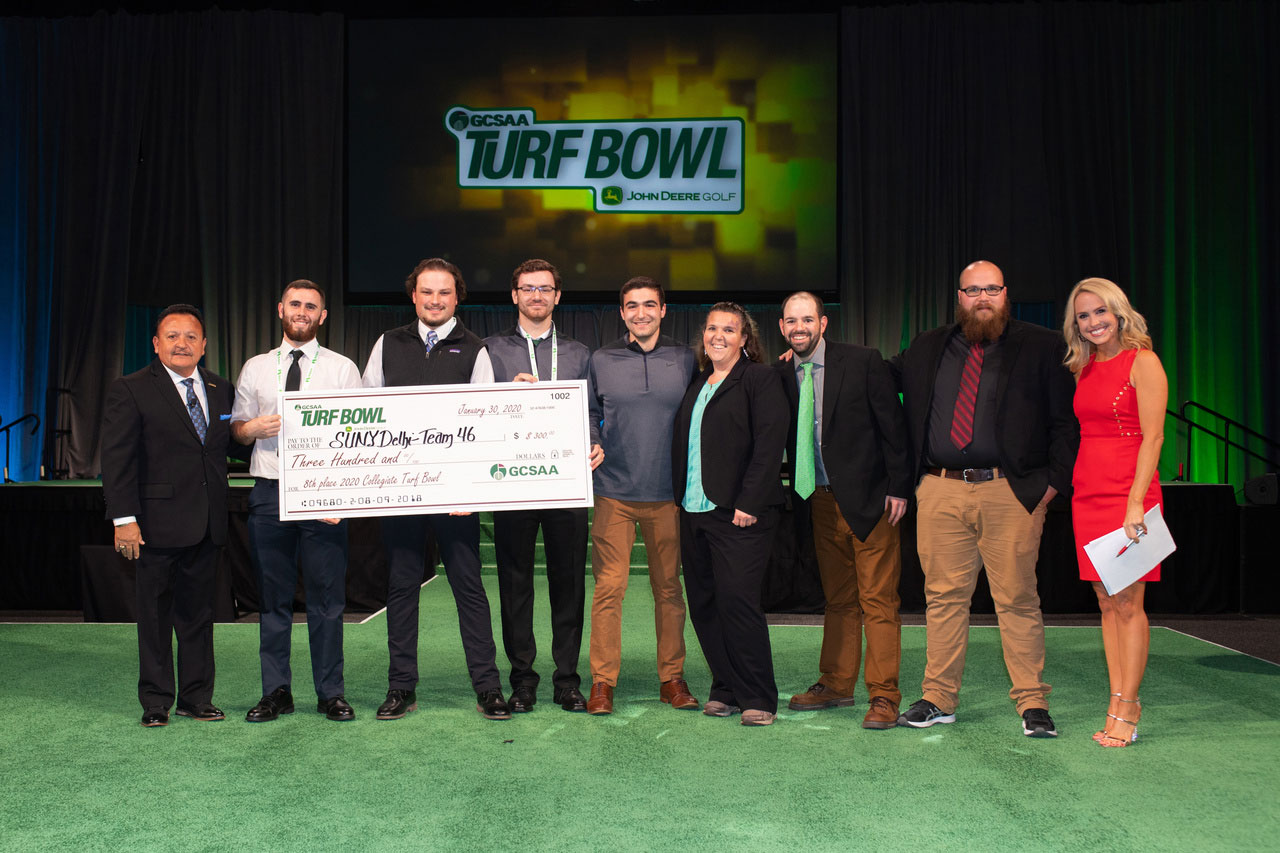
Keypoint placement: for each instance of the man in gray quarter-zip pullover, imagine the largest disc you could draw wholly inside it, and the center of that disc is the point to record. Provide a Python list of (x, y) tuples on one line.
[(636, 385)]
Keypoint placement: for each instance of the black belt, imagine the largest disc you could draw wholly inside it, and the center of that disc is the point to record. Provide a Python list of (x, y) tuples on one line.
[(969, 475)]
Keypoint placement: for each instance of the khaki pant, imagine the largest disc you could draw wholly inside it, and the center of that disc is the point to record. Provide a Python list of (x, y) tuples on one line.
[(613, 532), (963, 526), (860, 582)]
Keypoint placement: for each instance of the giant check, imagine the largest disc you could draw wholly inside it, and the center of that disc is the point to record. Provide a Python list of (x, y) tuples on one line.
[(434, 448)]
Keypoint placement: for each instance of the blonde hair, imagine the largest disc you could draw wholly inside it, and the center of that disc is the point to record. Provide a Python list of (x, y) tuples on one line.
[(1130, 325)]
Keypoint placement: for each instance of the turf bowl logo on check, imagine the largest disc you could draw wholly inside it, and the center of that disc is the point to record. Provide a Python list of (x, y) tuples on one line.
[(500, 471)]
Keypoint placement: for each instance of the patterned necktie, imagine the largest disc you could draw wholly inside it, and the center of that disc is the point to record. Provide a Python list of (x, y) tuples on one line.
[(293, 379), (193, 409), (805, 476), (432, 339), (967, 399)]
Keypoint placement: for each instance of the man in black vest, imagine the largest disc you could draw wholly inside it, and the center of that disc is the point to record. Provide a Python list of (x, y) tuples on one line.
[(435, 349)]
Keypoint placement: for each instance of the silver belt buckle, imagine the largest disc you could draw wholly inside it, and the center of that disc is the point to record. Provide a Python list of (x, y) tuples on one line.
[(965, 474)]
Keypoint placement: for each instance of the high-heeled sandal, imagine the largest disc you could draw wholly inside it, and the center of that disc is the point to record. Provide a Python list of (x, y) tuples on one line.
[(1099, 735), (1110, 741)]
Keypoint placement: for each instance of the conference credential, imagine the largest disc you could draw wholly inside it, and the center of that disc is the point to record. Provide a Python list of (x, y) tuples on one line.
[(434, 448)]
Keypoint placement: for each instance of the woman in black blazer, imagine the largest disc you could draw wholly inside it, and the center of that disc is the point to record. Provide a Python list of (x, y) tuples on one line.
[(726, 454)]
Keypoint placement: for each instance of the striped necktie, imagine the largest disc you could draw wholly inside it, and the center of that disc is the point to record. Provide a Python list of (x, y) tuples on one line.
[(967, 399)]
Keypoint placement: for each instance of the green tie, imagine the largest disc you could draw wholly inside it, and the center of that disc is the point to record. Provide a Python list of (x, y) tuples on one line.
[(804, 435)]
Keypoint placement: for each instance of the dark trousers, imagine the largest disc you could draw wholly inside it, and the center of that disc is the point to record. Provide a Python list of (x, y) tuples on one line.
[(724, 569), (175, 588), (277, 547), (458, 537), (564, 539)]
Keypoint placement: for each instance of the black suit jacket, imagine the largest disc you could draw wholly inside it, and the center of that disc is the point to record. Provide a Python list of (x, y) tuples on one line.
[(153, 464), (864, 434), (744, 429), (1036, 429)]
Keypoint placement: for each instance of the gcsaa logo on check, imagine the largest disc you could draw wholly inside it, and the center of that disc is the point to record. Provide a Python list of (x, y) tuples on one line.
[(499, 471)]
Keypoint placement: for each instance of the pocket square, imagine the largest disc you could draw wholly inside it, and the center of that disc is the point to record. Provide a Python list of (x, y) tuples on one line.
[(224, 417)]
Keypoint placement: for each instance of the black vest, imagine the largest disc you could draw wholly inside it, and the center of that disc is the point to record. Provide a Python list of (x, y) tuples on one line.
[(405, 360)]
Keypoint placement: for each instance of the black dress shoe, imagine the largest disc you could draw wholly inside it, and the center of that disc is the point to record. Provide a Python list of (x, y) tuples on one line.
[(571, 699), (336, 709), (523, 700), (492, 705), (271, 706), (205, 713), (399, 703), (155, 717)]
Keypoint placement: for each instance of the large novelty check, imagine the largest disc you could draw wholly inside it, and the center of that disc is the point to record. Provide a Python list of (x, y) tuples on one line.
[(434, 448)]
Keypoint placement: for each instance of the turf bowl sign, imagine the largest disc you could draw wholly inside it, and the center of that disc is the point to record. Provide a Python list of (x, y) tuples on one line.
[(687, 165)]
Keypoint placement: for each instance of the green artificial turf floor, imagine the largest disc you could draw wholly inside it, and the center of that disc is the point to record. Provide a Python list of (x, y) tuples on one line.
[(79, 773)]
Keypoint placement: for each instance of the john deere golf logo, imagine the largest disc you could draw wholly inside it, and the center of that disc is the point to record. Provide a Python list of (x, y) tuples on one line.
[(498, 471), (687, 165)]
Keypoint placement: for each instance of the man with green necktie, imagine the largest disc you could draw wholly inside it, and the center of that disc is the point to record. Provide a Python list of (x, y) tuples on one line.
[(848, 444)]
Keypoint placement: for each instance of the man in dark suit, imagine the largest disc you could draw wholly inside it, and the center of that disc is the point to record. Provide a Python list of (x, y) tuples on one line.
[(853, 466), (988, 404), (165, 438)]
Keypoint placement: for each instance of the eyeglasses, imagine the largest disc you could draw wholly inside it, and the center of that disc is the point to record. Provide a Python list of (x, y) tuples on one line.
[(530, 288), (990, 290)]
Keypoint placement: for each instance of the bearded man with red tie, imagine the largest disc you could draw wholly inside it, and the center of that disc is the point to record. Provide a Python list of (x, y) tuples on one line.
[(988, 407)]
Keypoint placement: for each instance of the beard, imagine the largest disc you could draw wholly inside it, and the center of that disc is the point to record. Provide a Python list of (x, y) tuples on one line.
[(301, 334), (979, 327), (804, 349)]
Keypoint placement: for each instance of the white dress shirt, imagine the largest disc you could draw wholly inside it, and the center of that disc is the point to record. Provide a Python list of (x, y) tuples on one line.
[(262, 379)]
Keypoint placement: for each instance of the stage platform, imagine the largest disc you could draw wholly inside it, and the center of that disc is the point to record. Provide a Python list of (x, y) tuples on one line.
[(60, 558)]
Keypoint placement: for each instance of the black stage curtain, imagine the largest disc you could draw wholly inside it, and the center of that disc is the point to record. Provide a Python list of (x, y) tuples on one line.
[(194, 157), (1134, 141), (200, 156)]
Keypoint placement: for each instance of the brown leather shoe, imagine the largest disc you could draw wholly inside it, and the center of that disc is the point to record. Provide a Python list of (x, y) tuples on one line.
[(819, 696), (882, 714), (676, 694), (601, 700)]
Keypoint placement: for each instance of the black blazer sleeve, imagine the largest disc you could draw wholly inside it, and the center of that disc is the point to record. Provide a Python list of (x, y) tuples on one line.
[(1064, 428), (121, 451)]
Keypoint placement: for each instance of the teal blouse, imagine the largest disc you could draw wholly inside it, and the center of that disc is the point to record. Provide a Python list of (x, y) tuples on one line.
[(695, 500)]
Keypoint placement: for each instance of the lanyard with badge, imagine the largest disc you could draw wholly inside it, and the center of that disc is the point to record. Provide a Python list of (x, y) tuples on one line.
[(280, 373), (533, 358)]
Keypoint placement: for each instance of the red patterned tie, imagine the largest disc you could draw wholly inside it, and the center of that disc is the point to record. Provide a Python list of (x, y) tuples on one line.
[(967, 399)]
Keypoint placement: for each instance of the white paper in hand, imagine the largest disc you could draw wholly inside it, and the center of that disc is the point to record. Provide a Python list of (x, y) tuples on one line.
[(1118, 572)]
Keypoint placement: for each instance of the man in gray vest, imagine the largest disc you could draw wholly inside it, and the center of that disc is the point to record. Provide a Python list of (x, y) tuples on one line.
[(531, 351), (435, 349)]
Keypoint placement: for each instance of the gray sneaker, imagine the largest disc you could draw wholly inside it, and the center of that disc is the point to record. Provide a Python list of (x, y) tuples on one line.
[(716, 708), (923, 714), (1036, 722)]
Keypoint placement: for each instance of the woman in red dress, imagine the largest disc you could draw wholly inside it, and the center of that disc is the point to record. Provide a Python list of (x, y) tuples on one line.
[(1120, 399)]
